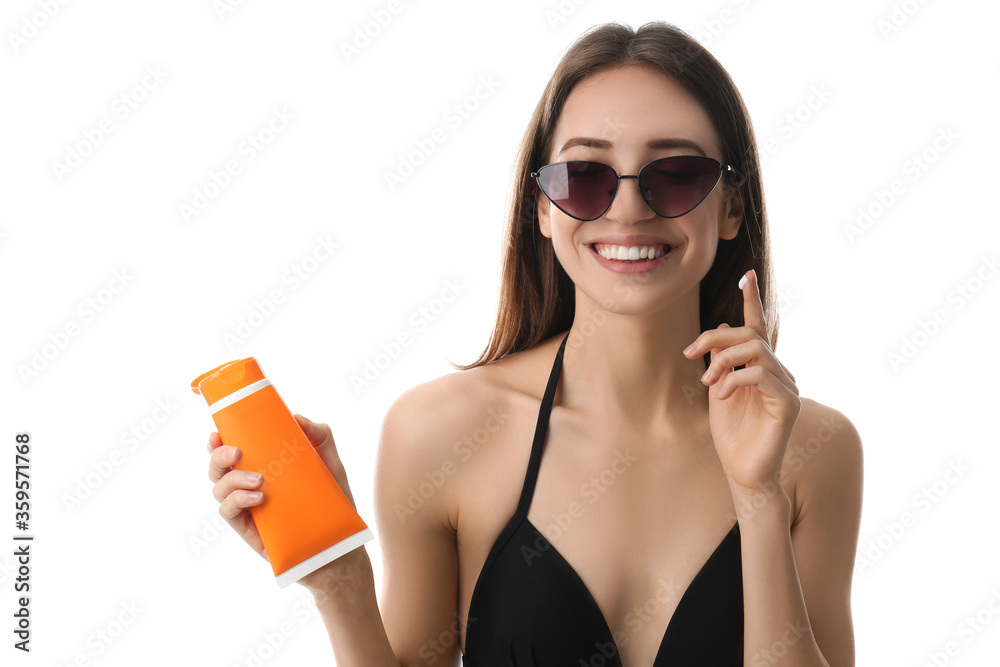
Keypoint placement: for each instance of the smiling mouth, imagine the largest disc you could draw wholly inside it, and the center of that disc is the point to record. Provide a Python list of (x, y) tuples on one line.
[(630, 254)]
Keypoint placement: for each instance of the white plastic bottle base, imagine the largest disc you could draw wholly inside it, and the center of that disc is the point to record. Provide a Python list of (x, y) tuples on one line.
[(296, 572)]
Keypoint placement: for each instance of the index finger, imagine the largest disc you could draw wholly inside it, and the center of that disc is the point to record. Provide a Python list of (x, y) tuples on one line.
[(221, 461), (753, 309)]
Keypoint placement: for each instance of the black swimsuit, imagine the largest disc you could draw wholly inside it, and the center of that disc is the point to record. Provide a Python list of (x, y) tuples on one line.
[(531, 609)]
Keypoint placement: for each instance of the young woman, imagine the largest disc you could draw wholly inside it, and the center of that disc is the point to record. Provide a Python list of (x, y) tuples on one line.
[(601, 497)]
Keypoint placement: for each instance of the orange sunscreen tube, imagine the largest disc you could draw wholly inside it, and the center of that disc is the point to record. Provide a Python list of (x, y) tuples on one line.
[(305, 520)]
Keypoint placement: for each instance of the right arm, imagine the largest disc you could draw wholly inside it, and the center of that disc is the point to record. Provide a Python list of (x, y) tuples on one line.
[(420, 576), (419, 600)]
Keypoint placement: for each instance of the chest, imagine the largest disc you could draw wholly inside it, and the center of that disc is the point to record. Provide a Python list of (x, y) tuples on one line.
[(621, 524)]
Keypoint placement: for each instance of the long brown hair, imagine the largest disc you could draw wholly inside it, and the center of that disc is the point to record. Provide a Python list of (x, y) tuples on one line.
[(537, 297)]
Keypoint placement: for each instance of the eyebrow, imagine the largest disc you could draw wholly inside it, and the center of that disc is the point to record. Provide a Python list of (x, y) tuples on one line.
[(591, 142)]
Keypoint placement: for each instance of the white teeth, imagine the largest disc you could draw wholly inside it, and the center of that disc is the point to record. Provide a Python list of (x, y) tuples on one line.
[(634, 252)]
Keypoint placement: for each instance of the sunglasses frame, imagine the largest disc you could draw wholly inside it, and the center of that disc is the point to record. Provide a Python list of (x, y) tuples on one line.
[(723, 168)]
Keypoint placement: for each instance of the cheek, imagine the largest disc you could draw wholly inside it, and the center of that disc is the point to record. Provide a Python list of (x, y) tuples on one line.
[(702, 251), (567, 252), (563, 231), (701, 240)]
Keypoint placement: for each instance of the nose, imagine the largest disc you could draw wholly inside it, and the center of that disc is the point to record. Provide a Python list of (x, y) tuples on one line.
[(629, 204)]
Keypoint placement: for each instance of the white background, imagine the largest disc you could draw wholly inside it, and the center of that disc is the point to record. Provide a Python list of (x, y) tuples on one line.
[(848, 304)]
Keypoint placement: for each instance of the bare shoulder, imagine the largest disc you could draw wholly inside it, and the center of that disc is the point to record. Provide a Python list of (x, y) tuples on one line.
[(824, 460), (431, 410), (433, 430)]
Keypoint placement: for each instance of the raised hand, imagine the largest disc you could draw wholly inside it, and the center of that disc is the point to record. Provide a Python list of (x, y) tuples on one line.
[(751, 410)]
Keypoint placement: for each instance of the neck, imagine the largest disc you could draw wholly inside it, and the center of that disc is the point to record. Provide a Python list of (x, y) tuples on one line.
[(632, 368)]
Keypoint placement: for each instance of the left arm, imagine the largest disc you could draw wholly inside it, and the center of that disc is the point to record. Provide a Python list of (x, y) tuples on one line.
[(797, 582), (797, 569)]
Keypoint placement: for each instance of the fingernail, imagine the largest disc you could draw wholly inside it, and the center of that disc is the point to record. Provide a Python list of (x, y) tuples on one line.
[(743, 281), (253, 477), (232, 453), (690, 348)]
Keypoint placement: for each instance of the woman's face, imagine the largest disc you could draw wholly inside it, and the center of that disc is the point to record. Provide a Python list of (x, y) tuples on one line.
[(628, 108)]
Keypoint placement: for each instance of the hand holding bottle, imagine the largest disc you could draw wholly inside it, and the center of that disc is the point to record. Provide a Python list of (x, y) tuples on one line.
[(289, 499), (237, 489)]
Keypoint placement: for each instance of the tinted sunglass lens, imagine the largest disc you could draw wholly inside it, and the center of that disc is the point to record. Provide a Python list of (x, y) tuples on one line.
[(581, 189), (676, 185)]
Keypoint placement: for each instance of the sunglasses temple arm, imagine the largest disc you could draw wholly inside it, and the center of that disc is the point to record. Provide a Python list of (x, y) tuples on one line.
[(740, 176)]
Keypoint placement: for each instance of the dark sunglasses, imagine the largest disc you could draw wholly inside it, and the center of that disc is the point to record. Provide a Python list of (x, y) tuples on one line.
[(672, 186)]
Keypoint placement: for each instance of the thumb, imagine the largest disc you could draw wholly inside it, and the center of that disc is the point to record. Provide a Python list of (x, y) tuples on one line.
[(321, 438), (318, 434), (310, 427)]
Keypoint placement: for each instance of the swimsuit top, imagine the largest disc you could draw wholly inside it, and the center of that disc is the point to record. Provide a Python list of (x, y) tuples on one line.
[(531, 609)]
